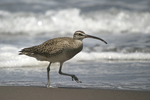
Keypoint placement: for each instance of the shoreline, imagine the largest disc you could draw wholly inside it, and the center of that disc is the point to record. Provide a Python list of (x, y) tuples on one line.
[(66, 93)]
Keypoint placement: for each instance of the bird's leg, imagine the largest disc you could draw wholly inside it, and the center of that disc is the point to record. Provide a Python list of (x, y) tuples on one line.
[(73, 76), (48, 80)]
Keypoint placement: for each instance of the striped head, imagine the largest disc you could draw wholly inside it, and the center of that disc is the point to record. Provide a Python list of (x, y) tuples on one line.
[(79, 35)]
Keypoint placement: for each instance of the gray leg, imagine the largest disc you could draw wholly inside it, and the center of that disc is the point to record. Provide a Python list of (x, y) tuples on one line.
[(73, 76), (48, 80)]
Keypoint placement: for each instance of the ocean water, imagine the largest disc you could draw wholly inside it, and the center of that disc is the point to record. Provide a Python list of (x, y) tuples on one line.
[(123, 63)]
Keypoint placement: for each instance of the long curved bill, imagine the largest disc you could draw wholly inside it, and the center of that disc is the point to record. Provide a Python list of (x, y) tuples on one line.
[(94, 37)]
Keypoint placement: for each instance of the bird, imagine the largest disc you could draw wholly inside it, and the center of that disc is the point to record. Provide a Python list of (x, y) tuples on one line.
[(59, 50)]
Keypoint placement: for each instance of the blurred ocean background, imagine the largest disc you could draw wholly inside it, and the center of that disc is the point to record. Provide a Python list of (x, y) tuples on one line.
[(124, 63)]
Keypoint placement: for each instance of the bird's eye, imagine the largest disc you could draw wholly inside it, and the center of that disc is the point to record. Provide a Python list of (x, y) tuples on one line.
[(80, 34)]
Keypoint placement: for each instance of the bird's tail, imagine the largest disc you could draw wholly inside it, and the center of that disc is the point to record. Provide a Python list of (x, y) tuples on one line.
[(25, 51), (21, 53)]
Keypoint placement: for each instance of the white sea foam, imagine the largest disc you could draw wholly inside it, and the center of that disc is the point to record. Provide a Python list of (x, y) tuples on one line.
[(111, 56), (10, 58), (69, 20)]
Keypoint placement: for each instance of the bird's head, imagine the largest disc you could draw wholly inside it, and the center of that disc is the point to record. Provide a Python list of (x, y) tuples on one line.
[(80, 35)]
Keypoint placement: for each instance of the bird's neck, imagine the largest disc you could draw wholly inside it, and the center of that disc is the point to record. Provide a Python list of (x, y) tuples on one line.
[(78, 43)]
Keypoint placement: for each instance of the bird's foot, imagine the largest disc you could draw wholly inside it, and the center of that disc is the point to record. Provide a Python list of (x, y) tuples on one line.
[(76, 79), (49, 86)]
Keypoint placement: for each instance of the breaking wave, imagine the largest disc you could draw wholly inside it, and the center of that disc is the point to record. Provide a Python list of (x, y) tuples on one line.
[(68, 20)]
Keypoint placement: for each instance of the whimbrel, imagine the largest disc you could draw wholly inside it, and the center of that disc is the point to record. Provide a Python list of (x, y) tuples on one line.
[(58, 50)]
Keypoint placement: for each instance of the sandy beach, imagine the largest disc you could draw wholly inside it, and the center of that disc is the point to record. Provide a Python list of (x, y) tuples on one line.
[(43, 93)]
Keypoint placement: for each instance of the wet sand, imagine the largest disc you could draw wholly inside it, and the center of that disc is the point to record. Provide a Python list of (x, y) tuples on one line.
[(43, 93)]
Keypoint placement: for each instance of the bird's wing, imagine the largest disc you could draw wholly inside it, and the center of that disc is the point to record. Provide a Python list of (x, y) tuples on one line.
[(49, 48)]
